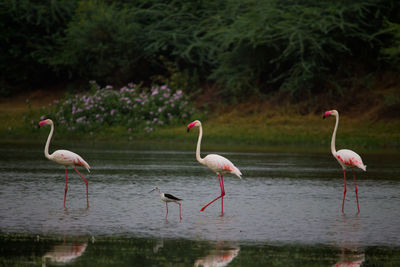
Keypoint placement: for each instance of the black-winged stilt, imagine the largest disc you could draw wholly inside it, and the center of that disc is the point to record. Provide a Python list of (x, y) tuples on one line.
[(168, 198)]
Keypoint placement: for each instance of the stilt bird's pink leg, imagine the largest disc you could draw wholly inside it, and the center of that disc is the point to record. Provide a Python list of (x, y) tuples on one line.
[(180, 216), (356, 190), (87, 186)]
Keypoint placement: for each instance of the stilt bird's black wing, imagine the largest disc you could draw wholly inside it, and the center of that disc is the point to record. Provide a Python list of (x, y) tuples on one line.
[(171, 197)]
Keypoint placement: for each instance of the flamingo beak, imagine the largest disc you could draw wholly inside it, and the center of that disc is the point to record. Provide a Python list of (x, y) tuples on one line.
[(42, 123), (326, 114), (190, 125)]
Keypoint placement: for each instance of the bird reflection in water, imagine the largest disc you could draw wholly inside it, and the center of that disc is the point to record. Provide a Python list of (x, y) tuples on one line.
[(158, 245), (218, 257), (348, 232), (64, 253), (350, 257)]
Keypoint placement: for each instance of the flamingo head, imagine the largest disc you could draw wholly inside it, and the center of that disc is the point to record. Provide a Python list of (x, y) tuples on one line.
[(330, 113), (192, 124), (45, 122)]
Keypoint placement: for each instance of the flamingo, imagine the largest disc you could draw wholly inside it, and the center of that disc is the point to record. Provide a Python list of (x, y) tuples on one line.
[(219, 257), (65, 158), (168, 198), (346, 158), (216, 163), (64, 253)]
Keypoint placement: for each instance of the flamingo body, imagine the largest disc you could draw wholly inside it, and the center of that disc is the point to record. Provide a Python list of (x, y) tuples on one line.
[(346, 158), (349, 159), (66, 158), (220, 165), (69, 158)]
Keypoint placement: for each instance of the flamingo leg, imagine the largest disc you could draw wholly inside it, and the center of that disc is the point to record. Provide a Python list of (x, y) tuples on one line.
[(87, 186), (356, 190), (344, 192), (222, 193), (221, 184), (166, 205), (66, 185)]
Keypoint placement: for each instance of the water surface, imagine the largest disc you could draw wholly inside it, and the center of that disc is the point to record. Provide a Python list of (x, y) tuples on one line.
[(285, 202)]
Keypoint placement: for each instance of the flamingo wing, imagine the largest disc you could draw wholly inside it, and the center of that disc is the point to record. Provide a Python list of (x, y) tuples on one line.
[(69, 158), (220, 164), (350, 159)]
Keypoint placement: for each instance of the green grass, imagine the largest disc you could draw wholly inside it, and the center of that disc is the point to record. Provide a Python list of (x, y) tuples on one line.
[(258, 129), (293, 133)]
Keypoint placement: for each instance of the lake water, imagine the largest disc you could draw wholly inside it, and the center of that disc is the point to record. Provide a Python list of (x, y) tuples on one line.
[(285, 211)]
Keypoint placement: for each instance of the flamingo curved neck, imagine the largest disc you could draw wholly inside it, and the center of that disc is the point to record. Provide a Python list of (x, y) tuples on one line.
[(199, 159), (333, 149), (46, 148)]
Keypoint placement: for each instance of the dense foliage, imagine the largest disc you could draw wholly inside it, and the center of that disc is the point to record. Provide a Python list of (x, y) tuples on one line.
[(133, 107), (27, 30), (266, 45)]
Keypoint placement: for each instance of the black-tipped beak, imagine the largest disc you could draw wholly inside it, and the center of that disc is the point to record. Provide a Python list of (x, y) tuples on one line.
[(323, 117), (188, 129)]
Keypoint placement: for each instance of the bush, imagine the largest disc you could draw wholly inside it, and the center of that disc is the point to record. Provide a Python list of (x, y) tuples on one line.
[(262, 46), (28, 31), (391, 52), (102, 42), (135, 108), (291, 45)]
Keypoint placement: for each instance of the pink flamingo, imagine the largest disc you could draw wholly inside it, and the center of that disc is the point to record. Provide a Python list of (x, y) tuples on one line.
[(216, 163), (65, 158), (346, 158)]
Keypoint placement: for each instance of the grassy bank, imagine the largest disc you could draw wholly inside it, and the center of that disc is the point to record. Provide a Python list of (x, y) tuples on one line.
[(244, 127), (293, 132)]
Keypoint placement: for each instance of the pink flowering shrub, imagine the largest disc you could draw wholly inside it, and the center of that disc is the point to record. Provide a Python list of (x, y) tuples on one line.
[(129, 106)]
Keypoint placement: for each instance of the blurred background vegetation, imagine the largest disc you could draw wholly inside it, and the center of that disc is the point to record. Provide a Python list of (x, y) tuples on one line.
[(243, 62), (244, 47)]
